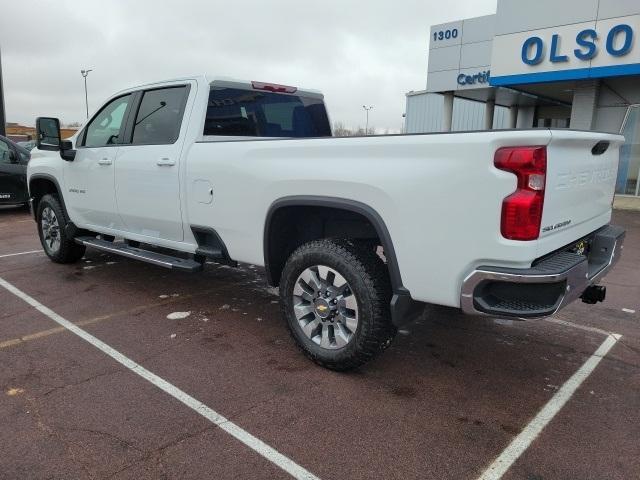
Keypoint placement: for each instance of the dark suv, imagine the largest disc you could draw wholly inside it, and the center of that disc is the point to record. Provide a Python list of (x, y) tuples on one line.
[(13, 173)]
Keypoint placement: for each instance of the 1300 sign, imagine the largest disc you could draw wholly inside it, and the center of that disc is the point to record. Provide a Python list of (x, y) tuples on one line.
[(445, 34)]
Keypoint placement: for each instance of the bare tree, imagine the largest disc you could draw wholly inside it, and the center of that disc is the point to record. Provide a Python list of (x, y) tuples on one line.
[(72, 125), (339, 130)]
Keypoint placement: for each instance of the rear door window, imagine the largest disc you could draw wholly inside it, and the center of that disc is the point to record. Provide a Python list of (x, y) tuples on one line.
[(160, 115), (249, 113)]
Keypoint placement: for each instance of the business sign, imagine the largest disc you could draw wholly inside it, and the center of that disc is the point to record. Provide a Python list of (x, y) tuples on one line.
[(596, 49), (476, 78)]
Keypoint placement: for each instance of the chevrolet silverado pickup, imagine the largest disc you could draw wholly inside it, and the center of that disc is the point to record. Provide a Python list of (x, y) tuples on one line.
[(359, 233)]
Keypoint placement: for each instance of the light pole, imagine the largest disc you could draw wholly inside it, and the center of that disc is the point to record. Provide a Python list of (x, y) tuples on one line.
[(86, 98), (366, 129)]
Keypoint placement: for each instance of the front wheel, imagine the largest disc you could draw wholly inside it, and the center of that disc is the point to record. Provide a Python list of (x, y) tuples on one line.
[(51, 228), (335, 296)]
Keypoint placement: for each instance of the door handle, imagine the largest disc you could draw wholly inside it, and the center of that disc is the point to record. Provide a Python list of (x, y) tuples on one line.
[(105, 161), (166, 162)]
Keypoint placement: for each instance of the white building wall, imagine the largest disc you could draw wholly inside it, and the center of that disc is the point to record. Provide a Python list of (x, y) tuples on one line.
[(425, 111), (525, 117), (467, 50), (515, 23), (583, 109), (614, 98)]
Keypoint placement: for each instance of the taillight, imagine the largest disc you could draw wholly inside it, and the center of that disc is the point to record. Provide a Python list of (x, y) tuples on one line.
[(522, 210), (273, 87)]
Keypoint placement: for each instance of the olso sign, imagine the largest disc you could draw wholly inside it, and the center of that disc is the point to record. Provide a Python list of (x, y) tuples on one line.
[(617, 42)]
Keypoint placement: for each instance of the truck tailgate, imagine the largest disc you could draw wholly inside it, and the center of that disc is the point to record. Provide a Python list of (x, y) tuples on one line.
[(580, 185)]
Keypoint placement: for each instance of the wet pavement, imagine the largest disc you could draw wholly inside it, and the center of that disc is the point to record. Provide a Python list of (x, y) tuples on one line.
[(443, 402)]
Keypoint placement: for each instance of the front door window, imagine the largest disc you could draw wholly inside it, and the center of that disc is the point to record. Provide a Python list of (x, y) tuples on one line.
[(104, 129)]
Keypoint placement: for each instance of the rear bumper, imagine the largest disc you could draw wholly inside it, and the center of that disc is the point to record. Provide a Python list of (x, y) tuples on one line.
[(546, 287)]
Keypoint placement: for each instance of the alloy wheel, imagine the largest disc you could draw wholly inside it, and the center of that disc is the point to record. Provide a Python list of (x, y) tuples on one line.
[(325, 307), (50, 230)]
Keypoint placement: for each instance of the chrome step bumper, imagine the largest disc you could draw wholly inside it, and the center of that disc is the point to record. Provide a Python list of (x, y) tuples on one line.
[(546, 287)]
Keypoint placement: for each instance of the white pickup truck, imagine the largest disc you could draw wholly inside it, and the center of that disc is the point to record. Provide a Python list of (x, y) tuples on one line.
[(359, 232)]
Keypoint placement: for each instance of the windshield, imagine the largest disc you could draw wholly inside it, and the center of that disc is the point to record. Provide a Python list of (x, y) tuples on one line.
[(250, 113)]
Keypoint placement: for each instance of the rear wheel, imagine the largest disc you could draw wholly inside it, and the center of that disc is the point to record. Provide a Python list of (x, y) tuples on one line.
[(335, 296), (51, 228)]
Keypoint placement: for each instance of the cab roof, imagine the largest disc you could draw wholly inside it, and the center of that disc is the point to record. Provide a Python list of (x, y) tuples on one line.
[(230, 82)]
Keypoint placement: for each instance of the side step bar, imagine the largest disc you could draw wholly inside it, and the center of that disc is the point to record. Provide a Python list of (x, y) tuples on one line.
[(120, 248)]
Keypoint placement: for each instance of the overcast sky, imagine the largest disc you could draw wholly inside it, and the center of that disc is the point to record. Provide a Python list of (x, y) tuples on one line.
[(357, 52)]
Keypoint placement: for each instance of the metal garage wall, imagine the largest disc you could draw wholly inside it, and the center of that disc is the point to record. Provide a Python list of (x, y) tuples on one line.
[(424, 114), (467, 115), (501, 117)]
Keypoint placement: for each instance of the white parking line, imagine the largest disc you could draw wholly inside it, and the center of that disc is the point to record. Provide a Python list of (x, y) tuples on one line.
[(232, 429), (586, 328), (20, 253), (519, 444)]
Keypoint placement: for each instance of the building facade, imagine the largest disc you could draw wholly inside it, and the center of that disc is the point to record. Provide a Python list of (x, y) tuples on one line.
[(563, 64)]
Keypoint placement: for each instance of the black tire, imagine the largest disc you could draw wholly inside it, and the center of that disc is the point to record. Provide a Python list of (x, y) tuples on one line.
[(368, 280), (67, 251)]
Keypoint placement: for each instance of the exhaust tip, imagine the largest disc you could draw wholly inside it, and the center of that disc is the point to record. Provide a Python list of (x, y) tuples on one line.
[(594, 294)]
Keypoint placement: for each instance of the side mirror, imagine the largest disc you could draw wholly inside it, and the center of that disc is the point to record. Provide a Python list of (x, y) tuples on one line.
[(48, 138), (48, 134), (13, 157)]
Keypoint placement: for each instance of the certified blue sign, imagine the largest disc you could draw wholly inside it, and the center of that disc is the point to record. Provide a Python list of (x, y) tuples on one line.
[(482, 77), (618, 42)]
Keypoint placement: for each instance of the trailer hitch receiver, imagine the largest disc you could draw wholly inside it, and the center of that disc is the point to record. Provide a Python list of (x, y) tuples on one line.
[(594, 294)]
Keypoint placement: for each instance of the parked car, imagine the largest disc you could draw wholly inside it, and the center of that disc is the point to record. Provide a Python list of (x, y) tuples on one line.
[(28, 145), (359, 232), (13, 173)]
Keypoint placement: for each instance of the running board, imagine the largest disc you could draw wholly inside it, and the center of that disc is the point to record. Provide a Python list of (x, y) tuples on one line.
[(125, 250)]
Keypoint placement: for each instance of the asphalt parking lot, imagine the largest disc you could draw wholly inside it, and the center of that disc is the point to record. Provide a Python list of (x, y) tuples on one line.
[(444, 402)]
